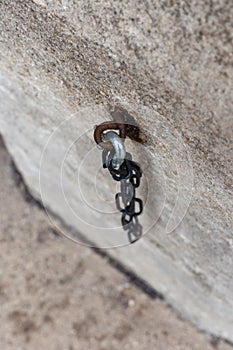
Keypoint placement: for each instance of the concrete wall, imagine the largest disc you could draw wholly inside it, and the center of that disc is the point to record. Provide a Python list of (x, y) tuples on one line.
[(169, 65)]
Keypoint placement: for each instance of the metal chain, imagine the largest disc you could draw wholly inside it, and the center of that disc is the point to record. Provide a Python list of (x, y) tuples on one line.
[(129, 174), (123, 169)]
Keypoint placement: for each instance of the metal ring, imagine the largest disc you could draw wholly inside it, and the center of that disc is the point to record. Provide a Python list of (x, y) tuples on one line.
[(119, 148), (99, 132)]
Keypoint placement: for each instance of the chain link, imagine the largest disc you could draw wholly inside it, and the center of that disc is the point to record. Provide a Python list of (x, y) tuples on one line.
[(129, 174)]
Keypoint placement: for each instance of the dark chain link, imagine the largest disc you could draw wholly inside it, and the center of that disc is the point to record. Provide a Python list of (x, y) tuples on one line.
[(129, 174)]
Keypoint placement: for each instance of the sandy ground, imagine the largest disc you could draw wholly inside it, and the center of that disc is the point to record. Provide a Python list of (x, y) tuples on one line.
[(58, 295)]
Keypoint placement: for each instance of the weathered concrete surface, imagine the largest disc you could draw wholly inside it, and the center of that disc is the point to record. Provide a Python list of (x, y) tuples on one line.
[(56, 295), (168, 64)]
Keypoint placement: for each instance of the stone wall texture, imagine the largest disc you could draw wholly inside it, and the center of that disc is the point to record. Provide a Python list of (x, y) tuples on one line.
[(169, 64)]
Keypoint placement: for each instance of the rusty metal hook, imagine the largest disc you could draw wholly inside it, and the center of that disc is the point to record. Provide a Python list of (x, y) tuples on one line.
[(117, 124), (99, 130), (122, 122)]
